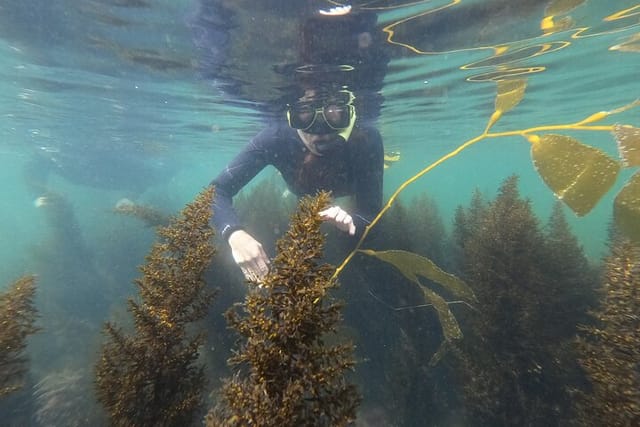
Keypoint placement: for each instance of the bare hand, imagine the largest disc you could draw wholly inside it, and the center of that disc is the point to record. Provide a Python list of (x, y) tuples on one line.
[(340, 218), (247, 252)]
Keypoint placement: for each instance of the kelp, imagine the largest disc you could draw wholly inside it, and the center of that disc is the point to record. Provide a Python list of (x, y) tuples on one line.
[(412, 266), (151, 378), (628, 140), (578, 174), (626, 209), (609, 347), (285, 373), (532, 289), (17, 321)]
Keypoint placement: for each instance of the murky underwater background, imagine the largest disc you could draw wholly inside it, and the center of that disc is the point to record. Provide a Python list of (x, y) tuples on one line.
[(105, 100)]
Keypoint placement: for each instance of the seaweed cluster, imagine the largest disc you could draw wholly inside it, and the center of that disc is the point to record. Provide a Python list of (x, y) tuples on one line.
[(609, 350), (17, 321), (533, 288), (285, 372), (151, 378)]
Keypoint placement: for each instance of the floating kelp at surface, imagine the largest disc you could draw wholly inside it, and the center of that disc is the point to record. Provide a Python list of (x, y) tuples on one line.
[(151, 378), (510, 93), (284, 372), (17, 321), (609, 349)]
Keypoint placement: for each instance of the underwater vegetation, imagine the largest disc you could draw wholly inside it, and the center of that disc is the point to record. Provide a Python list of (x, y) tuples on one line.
[(149, 215), (151, 378), (609, 349), (533, 287), (17, 321), (285, 373), (578, 174)]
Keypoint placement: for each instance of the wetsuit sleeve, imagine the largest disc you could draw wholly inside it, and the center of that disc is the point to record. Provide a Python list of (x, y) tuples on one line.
[(369, 170), (242, 169)]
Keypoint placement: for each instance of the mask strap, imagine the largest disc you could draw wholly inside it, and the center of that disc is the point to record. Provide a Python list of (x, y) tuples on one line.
[(346, 132)]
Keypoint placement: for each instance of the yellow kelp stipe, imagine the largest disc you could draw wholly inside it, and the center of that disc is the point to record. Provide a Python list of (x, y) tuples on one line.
[(628, 140), (626, 208), (578, 174), (412, 265)]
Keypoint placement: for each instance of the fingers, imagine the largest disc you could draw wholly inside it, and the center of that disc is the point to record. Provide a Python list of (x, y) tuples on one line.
[(340, 217), (256, 268), (250, 256)]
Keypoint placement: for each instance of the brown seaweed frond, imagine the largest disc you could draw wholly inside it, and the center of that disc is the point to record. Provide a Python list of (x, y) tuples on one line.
[(285, 373), (151, 377), (17, 321), (610, 349), (532, 290)]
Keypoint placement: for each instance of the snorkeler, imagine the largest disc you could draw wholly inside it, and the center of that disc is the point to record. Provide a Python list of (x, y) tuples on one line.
[(324, 139), (320, 146)]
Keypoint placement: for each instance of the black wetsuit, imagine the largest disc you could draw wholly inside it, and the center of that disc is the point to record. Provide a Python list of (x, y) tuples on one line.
[(355, 168)]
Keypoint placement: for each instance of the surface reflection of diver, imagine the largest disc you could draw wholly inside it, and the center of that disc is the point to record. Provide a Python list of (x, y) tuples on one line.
[(102, 167), (299, 39)]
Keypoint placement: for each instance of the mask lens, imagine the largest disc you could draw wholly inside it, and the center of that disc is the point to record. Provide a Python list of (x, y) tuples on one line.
[(301, 116), (337, 115)]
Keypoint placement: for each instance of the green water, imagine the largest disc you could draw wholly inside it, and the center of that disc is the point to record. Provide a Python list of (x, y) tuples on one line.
[(107, 99)]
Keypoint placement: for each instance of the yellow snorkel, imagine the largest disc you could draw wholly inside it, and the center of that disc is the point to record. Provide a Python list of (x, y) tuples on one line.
[(346, 132)]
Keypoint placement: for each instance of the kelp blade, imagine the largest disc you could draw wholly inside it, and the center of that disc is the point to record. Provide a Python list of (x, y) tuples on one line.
[(578, 174), (412, 265), (626, 209), (510, 93), (628, 140), (450, 328)]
